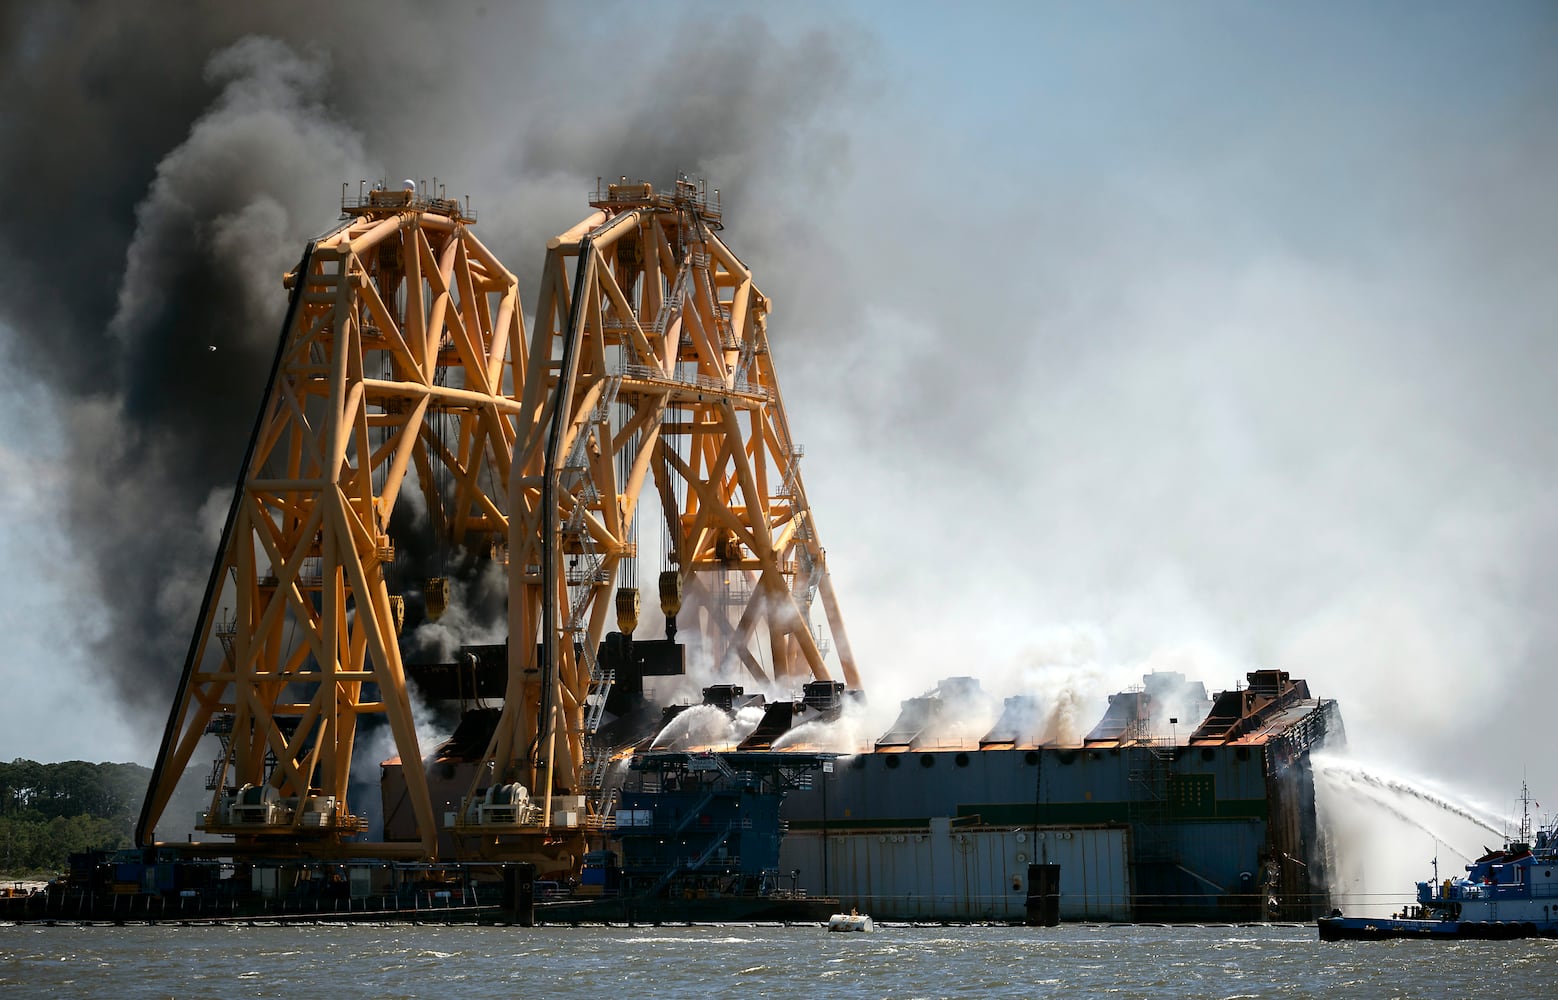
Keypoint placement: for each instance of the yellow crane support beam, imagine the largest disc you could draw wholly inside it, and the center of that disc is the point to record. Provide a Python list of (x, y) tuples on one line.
[(397, 318), (650, 358), (404, 367)]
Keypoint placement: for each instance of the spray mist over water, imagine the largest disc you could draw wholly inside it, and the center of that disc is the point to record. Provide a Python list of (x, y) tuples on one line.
[(1401, 814), (1384, 829), (1356, 775)]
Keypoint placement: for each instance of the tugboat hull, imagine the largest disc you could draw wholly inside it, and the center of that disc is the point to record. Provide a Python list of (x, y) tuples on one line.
[(1381, 929)]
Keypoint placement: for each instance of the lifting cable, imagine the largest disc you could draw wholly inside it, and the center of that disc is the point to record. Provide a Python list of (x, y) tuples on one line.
[(562, 402)]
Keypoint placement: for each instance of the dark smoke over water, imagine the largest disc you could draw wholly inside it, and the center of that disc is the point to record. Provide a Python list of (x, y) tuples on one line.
[(172, 172)]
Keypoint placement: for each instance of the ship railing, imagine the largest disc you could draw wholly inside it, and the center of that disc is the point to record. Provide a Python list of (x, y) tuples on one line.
[(739, 385), (680, 865), (691, 862), (659, 828), (1297, 739), (664, 880), (684, 194), (600, 821), (418, 200)]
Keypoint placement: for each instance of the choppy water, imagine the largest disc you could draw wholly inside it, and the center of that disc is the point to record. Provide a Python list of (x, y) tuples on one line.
[(734, 961)]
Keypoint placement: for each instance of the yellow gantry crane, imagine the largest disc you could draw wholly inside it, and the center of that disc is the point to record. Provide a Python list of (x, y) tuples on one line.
[(404, 368)]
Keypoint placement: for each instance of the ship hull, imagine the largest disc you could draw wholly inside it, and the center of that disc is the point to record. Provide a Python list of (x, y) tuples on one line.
[(1189, 833)]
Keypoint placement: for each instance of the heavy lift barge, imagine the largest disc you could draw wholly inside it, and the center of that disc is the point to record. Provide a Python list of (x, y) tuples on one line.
[(418, 450), (1216, 824)]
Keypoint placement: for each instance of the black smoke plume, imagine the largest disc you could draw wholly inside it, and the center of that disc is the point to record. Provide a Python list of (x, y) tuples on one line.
[(165, 172)]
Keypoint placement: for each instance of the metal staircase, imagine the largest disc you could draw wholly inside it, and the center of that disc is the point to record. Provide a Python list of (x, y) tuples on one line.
[(1148, 808)]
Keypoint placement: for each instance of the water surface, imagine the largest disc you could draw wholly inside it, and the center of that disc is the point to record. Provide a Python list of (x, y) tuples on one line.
[(1075, 960)]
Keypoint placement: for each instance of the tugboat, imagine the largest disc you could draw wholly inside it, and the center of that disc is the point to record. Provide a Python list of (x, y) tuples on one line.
[(1507, 893)]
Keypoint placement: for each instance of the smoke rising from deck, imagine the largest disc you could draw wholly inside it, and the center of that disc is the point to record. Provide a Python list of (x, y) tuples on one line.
[(478, 590), (376, 744)]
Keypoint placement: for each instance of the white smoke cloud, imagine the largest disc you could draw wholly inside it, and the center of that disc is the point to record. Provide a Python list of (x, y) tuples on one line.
[(468, 620), (376, 744)]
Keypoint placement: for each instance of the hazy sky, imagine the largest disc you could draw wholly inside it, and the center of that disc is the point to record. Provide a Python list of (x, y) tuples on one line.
[(1119, 336)]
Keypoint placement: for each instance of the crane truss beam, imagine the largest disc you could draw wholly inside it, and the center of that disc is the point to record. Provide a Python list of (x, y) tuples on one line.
[(650, 361), (398, 358)]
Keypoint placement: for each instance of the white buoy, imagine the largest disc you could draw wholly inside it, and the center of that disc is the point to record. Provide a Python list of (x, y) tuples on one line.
[(851, 921)]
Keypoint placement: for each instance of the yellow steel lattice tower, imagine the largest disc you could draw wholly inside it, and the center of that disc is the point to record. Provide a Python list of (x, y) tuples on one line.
[(650, 358), (397, 316)]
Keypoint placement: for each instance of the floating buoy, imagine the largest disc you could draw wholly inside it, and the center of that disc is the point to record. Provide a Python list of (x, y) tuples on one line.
[(851, 921)]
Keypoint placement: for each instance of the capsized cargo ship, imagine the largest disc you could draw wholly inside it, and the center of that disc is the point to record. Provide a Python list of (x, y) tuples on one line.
[(1176, 805), (1207, 813)]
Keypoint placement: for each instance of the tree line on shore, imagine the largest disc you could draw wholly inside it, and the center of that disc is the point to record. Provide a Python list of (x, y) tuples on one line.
[(49, 811)]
